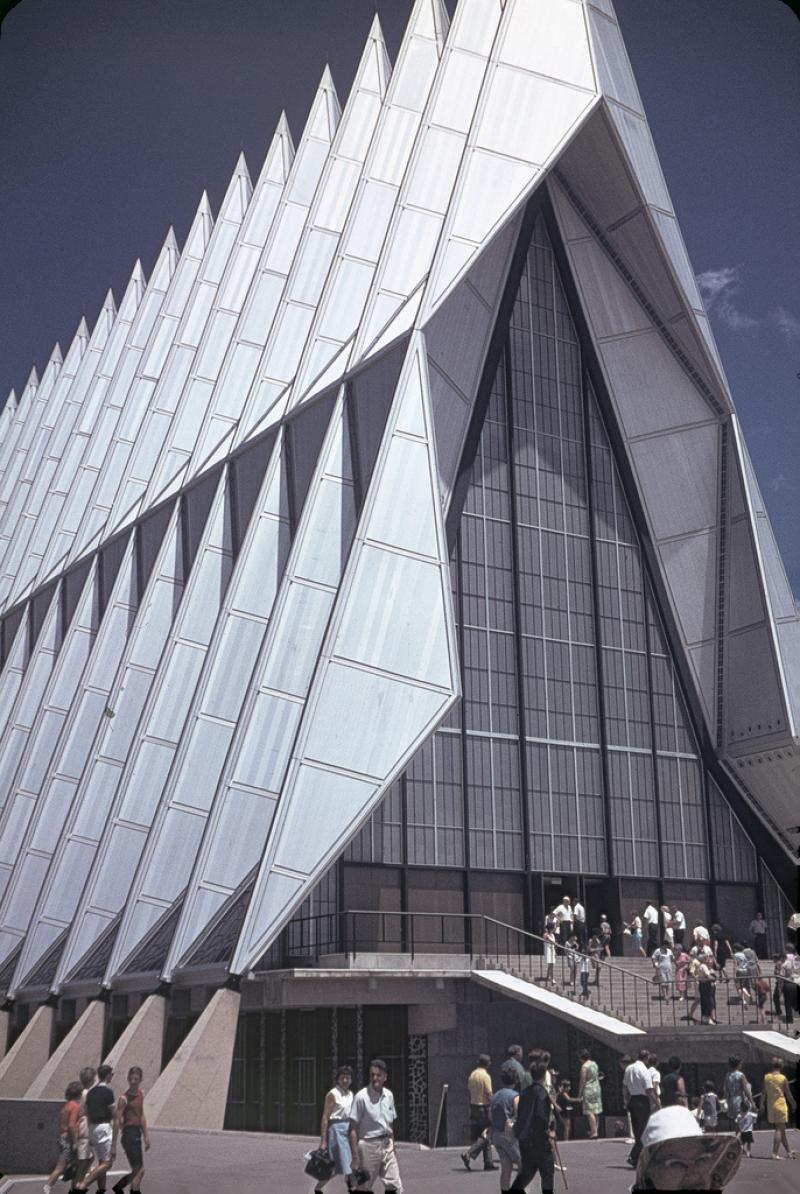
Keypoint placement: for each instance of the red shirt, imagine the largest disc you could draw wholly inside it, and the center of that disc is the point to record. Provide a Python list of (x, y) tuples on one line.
[(134, 1109), (70, 1113)]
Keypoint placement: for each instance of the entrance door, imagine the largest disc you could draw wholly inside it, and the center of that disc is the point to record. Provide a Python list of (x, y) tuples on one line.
[(600, 895)]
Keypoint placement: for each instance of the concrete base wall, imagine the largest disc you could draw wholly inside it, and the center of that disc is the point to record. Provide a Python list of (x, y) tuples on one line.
[(26, 1057), (482, 1023), (83, 1045), (29, 1133), (141, 1043), (193, 1089)]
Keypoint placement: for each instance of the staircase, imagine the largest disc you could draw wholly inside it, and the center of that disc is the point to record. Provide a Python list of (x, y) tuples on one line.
[(625, 991)]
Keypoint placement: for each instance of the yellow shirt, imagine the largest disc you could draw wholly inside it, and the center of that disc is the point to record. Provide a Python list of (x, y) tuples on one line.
[(480, 1087)]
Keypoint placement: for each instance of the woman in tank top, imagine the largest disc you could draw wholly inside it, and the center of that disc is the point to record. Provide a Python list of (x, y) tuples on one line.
[(335, 1124)]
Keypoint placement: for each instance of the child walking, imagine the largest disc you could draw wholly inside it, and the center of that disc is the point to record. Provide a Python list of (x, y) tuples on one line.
[(744, 1130), (67, 1134)]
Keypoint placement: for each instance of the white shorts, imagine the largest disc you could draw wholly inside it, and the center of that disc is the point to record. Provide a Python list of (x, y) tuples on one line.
[(100, 1136)]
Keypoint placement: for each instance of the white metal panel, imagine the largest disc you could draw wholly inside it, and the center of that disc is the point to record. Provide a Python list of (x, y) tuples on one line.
[(282, 676), (60, 736), (238, 376), (134, 788), (105, 740), (614, 74), (29, 690), (364, 234), (151, 464), (612, 307), (638, 141), (650, 390), (16, 567), (105, 404), (745, 603), (131, 396), (682, 474), (670, 233), (361, 719), (211, 714), (690, 566)]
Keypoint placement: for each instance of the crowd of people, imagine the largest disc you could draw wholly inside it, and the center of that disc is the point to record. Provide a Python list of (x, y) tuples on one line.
[(92, 1123), (687, 963), (522, 1120), (646, 1089)]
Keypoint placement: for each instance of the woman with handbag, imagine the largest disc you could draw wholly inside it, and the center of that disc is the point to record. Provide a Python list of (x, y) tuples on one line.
[(502, 1117), (334, 1128)]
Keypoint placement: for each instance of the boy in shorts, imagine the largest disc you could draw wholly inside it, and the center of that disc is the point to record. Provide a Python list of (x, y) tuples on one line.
[(101, 1113), (131, 1120)]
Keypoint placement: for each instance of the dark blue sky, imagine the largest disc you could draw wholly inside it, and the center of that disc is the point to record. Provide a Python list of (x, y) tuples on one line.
[(115, 114)]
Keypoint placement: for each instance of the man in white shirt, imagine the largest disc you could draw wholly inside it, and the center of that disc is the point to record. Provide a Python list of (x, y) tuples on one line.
[(579, 916), (678, 926), (758, 935), (372, 1133), (651, 920), (640, 1099), (563, 914)]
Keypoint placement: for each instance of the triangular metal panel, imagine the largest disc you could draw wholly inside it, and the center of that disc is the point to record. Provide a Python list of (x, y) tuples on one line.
[(65, 724), (345, 761), (457, 338), (253, 774), (104, 750), (29, 692), (671, 430), (170, 420), (414, 231), (226, 375), (132, 778), (20, 414), (174, 837), (152, 356), (369, 397), (76, 519), (541, 69), (18, 565), (329, 346), (311, 269)]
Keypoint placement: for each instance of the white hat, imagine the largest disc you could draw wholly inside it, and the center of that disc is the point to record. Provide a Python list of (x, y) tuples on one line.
[(670, 1123)]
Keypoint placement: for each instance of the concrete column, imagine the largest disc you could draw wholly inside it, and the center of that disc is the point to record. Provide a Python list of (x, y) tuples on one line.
[(192, 1092), (27, 1055), (141, 1044), (4, 1018), (83, 1045)]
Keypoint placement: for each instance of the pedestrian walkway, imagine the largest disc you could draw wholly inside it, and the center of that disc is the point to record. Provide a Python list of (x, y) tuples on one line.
[(188, 1162)]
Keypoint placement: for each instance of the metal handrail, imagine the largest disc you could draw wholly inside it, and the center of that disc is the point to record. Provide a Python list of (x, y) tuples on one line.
[(636, 989)]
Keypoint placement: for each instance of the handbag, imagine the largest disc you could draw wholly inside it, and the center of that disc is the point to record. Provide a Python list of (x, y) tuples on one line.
[(319, 1164), (509, 1131)]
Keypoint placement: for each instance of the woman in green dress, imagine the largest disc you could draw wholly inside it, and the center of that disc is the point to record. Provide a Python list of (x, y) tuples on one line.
[(589, 1091)]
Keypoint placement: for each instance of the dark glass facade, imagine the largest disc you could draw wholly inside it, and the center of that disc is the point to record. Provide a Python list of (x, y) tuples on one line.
[(572, 753)]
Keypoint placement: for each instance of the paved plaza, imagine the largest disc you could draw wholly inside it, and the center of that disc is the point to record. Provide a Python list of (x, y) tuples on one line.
[(251, 1163)]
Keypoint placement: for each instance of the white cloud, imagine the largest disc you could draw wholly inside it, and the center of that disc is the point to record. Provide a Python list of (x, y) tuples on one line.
[(786, 323), (719, 288), (713, 282)]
